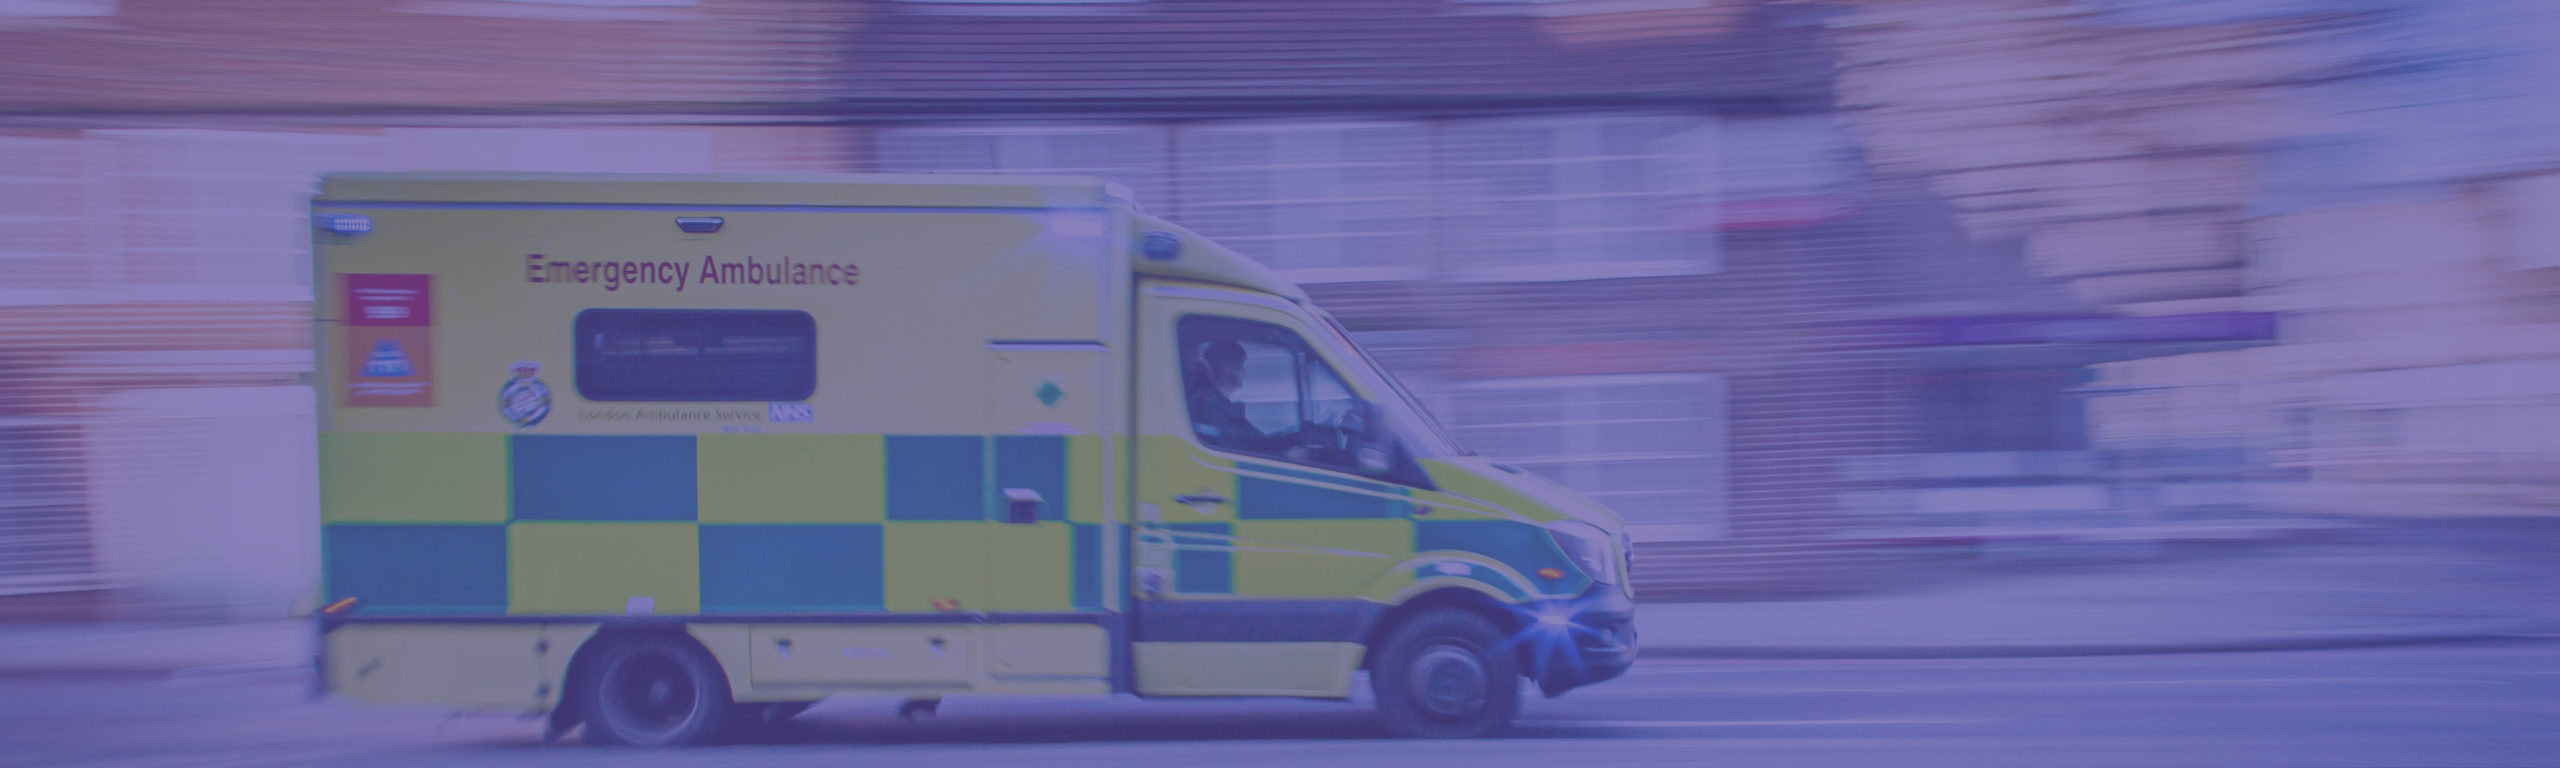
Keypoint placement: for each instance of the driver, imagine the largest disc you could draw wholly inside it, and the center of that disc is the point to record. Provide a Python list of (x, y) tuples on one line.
[(1216, 372)]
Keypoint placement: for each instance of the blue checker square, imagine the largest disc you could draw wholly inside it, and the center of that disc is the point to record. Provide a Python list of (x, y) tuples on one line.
[(1201, 565), (1328, 499), (641, 478), (937, 477), (783, 568), (417, 568)]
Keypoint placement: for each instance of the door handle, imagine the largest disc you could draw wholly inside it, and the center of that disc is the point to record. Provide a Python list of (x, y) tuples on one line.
[(1198, 499)]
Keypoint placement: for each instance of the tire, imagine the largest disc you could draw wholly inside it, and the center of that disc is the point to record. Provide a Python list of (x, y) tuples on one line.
[(1445, 675), (653, 691)]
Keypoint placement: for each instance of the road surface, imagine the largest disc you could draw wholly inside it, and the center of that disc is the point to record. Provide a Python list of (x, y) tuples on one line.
[(2419, 707)]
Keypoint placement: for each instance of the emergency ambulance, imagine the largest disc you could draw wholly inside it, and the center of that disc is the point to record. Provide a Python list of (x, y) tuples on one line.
[(665, 456)]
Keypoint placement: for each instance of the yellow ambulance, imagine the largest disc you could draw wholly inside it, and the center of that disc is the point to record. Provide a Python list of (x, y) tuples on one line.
[(664, 456)]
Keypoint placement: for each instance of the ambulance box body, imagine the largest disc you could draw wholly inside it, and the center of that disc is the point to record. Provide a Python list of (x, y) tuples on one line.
[(662, 455)]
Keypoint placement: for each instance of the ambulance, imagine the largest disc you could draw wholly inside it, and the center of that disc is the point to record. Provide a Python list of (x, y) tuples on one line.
[(664, 457)]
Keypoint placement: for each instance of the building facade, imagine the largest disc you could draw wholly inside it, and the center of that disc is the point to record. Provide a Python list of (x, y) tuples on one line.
[(2368, 178), (1628, 244)]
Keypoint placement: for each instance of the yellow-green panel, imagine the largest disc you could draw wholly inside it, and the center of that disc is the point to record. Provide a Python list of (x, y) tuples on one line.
[(1029, 567), (494, 667), (1312, 670), (1048, 650), (1474, 490), (1090, 471), (1317, 558), (929, 560), (791, 478), (561, 642), (413, 477), (594, 567), (1169, 466), (728, 646)]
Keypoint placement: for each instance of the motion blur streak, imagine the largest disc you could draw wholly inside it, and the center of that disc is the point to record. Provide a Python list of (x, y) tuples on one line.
[(1977, 378)]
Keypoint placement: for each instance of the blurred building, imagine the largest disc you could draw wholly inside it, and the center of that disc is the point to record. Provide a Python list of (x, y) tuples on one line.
[(1622, 241), (2370, 175), (1793, 285)]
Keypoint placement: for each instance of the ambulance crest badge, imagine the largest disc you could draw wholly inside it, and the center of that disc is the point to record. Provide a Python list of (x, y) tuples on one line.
[(525, 400)]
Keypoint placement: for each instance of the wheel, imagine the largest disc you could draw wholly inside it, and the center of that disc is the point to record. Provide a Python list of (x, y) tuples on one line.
[(656, 692), (1445, 675)]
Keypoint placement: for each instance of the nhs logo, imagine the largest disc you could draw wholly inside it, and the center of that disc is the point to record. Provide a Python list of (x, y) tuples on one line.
[(388, 361), (790, 413)]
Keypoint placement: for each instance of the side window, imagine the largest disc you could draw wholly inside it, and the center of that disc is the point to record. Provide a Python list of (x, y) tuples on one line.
[(673, 355), (1255, 388)]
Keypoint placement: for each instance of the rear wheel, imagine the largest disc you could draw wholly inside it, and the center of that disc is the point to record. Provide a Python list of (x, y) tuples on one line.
[(656, 692), (1445, 675)]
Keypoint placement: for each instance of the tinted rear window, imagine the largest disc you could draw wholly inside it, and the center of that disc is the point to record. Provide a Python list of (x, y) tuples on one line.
[(696, 355)]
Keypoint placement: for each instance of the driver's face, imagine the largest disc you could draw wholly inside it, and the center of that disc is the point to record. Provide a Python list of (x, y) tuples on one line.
[(1229, 377)]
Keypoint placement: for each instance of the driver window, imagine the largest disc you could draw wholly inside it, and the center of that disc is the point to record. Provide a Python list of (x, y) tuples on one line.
[(1254, 388)]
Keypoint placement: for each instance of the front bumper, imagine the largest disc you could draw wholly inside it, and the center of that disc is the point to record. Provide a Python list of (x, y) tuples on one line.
[(1584, 640)]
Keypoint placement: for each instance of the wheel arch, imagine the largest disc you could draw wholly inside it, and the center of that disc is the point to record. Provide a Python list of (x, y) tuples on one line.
[(1473, 600)]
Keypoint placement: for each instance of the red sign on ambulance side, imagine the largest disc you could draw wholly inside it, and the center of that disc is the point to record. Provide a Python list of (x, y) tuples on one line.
[(389, 300), (389, 352)]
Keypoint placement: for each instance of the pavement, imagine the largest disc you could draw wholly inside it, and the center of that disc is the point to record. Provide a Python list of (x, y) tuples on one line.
[(2305, 597)]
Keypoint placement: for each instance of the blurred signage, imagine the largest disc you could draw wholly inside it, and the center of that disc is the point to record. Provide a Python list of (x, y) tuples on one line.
[(388, 355), (2209, 326)]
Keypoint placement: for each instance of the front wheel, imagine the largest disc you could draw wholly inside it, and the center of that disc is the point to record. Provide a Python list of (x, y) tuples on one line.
[(1446, 675), (656, 692)]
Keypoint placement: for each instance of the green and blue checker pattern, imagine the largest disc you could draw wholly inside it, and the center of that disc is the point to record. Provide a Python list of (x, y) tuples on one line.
[(479, 524)]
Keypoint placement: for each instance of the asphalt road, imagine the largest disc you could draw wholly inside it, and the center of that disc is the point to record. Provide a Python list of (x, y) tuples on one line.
[(2418, 707)]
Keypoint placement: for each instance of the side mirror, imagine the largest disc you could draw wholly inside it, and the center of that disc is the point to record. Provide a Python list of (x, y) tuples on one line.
[(1370, 447)]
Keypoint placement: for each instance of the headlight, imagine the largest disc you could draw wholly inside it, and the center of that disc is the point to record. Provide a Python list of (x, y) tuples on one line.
[(1590, 548)]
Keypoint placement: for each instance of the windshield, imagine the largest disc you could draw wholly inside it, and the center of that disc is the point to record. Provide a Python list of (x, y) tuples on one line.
[(1409, 417)]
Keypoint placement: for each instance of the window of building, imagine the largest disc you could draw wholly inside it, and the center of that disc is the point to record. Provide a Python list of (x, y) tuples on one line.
[(2000, 410), (1783, 172), (1133, 155), (694, 355), (48, 201), (1651, 447), (221, 215), (1324, 202), (1579, 198), (44, 533), (558, 150)]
